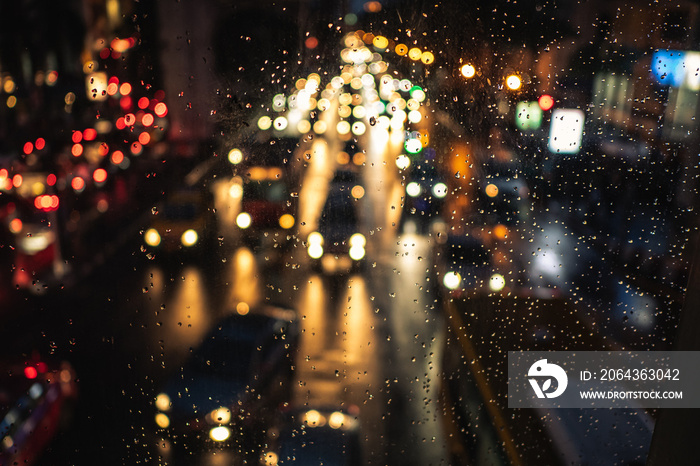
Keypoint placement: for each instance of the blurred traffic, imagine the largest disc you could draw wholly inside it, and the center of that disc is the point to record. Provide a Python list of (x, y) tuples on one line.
[(245, 255)]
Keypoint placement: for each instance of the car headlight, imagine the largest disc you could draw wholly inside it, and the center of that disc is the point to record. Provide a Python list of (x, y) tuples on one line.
[(315, 245), (358, 239), (243, 220), (152, 237), (219, 433), (356, 253), (315, 251), (336, 420), (452, 280), (315, 238), (189, 238)]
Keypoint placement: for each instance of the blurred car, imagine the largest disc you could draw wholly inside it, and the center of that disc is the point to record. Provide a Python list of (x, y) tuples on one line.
[(338, 245), (182, 223), (266, 204), (233, 381), (465, 267), (37, 258), (315, 436), (426, 190), (36, 402)]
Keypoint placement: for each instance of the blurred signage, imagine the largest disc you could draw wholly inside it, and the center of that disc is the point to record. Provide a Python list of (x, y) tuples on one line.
[(566, 131), (676, 68), (528, 116), (96, 86)]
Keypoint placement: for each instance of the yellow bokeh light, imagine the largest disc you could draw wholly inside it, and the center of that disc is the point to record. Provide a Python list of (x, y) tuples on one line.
[(235, 156), (320, 127), (491, 190), (152, 237), (243, 220), (242, 308), (264, 123), (343, 127), (514, 82), (304, 126), (380, 42), (500, 231), (427, 58), (415, 54), (163, 402), (468, 70), (162, 420), (189, 238), (336, 420), (358, 192), (286, 221), (9, 86), (401, 49)]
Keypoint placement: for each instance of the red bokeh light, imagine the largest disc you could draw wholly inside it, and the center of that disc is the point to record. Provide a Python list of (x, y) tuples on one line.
[(15, 225), (143, 102), (159, 95), (77, 183), (125, 102), (147, 119), (161, 109), (311, 43), (103, 149), (46, 202), (28, 147), (144, 138), (99, 175), (546, 102), (77, 150), (17, 180), (40, 144), (117, 157), (30, 372), (120, 124), (77, 136), (136, 148), (129, 119), (112, 88), (113, 80), (125, 89), (104, 53), (51, 179), (90, 134)]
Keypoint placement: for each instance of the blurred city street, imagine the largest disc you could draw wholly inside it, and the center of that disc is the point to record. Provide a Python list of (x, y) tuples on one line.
[(239, 233)]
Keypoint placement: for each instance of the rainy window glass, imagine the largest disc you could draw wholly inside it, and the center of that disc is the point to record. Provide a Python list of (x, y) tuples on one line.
[(310, 232)]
